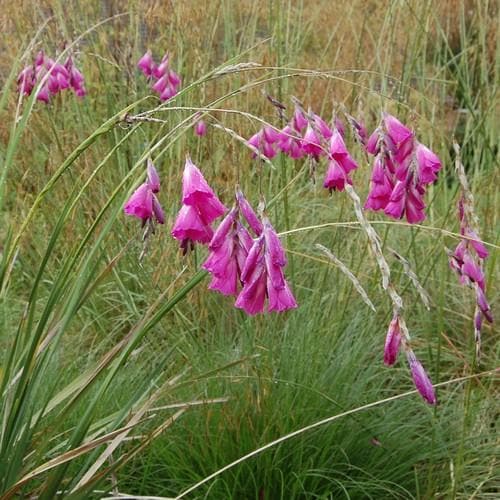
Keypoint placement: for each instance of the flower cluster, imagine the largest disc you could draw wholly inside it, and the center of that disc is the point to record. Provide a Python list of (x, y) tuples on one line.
[(402, 169), (166, 80), (311, 136), (60, 77), (262, 275), (236, 261), (467, 261), (143, 203), (200, 207)]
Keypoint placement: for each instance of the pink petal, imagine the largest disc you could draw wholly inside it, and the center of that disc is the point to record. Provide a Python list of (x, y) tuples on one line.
[(140, 204)]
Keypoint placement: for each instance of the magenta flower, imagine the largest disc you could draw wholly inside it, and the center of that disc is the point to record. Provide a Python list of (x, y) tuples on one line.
[(317, 134), (340, 164), (467, 261), (26, 80), (338, 151), (311, 144), (262, 275), (336, 177), (392, 342), (263, 141), (76, 80), (200, 208), (380, 188), (229, 249), (421, 379), (373, 143), (146, 64), (167, 80), (57, 77), (290, 142), (143, 203), (299, 121), (189, 227), (399, 139), (428, 164), (248, 213), (406, 199), (200, 129), (403, 166)]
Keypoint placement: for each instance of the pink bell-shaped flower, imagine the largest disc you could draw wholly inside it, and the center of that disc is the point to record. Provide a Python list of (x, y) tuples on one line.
[(200, 208), (146, 64), (262, 275), (421, 379), (143, 203), (392, 342)]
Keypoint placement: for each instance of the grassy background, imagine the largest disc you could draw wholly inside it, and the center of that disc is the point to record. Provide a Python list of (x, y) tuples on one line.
[(76, 280)]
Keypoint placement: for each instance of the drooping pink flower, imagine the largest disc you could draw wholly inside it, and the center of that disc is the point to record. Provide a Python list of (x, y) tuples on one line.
[(190, 227), (263, 141), (248, 213), (57, 77), (476, 243), (146, 64), (400, 138), (162, 68), (403, 163), (299, 121), (373, 143), (26, 80), (340, 163), (196, 192), (406, 199), (338, 151), (43, 94), (380, 188), (421, 379), (200, 208), (290, 143), (166, 81), (200, 129), (229, 249), (336, 177), (392, 342), (143, 203), (428, 164), (262, 275), (311, 144)]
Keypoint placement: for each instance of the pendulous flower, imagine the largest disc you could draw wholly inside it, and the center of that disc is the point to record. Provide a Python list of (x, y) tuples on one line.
[(402, 169), (143, 203), (200, 208), (262, 275), (421, 379), (392, 342)]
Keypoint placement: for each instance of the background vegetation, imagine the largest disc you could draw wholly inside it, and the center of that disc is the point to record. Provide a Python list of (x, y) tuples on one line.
[(121, 375)]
